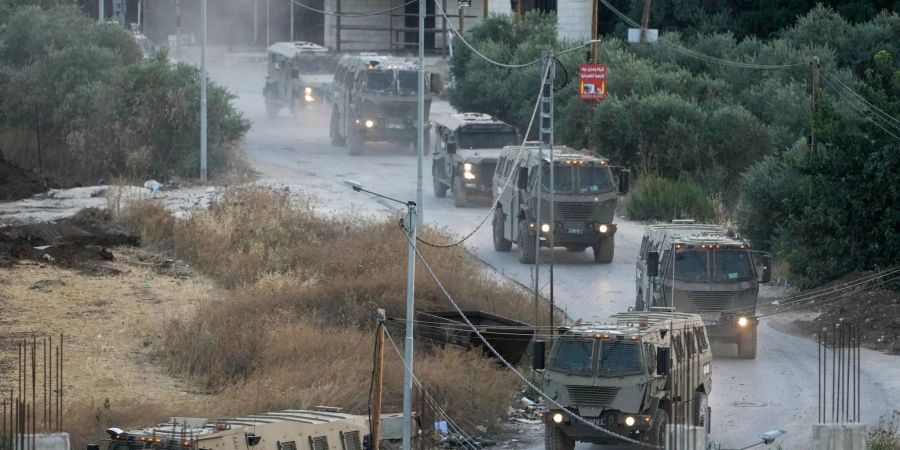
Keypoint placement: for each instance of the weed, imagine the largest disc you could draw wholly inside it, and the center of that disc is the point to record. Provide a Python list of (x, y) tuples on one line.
[(658, 198), (886, 435)]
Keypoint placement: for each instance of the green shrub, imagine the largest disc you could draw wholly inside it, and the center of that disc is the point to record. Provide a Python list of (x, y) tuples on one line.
[(658, 198)]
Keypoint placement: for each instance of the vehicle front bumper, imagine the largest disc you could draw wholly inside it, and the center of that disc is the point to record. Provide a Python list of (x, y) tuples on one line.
[(585, 234), (727, 327), (387, 129), (613, 421)]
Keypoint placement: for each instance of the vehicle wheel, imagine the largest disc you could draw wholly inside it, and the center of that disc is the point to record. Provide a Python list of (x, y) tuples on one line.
[(440, 189), (460, 199), (556, 439), (604, 249), (355, 143), (500, 242), (576, 248), (272, 109), (656, 435), (527, 250), (700, 412), (336, 138), (747, 343)]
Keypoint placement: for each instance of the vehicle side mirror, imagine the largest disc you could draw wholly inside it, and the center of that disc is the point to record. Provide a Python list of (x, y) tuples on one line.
[(537, 360), (653, 264), (436, 84), (624, 181), (451, 148), (662, 361), (766, 269), (522, 181)]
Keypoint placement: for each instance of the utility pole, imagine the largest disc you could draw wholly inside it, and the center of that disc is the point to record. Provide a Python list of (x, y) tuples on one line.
[(462, 17), (645, 21), (100, 12), (410, 317), (203, 90), (292, 21), (375, 426), (177, 27), (267, 23), (420, 122), (814, 144), (255, 21), (547, 138)]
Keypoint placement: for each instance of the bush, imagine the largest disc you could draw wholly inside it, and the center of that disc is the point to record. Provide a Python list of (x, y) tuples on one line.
[(764, 189), (658, 198)]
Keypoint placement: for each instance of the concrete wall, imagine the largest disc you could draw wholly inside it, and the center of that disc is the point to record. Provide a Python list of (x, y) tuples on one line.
[(849, 436), (47, 441), (574, 19)]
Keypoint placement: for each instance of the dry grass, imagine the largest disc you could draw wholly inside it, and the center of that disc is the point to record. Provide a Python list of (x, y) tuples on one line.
[(295, 329)]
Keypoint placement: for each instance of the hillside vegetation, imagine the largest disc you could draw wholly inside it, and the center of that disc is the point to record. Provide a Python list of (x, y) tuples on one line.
[(733, 116)]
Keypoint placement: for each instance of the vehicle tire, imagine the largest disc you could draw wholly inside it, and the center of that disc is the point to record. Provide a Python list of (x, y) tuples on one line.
[(500, 242), (527, 250), (656, 435), (272, 110), (336, 138), (440, 189), (576, 248), (556, 439), (700, 403), (355, 143), (460, 199), (604, 249), (747, 343)]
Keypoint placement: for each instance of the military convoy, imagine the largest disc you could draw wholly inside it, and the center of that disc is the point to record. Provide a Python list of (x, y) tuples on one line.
[(585, 196), (466, 148), (631, 374), (296, 74), (320, 429), (702, 269), (375, 100)]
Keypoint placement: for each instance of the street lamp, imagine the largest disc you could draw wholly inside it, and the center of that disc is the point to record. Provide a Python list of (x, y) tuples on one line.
[(410, 306), (766, 439)]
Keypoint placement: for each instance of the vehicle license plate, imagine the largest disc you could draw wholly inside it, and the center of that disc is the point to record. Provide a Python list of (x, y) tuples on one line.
[(576, 231), (395, 125)]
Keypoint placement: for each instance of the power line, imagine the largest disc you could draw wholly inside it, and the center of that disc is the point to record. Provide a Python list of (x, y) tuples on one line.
[(329, 13), (695, 54), (861, 111), (467, 44), (509, 366), (895, 122)]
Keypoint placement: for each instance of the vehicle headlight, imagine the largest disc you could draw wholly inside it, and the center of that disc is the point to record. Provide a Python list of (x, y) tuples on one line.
[(558, 417), (545, 228), (742, 321), (467, 167), (307, 90), (469, 175), (603, 228), (370, 123), (629, 421), (309, 98)]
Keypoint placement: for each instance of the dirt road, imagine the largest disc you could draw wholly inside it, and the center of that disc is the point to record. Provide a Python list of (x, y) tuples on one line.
[(776, 390)]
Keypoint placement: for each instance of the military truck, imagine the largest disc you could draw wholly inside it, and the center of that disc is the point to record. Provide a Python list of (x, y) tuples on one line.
[(295, 76), (318, 429), (585, 199), (375, 100), (466, 147), (702, 269), (630, 374)]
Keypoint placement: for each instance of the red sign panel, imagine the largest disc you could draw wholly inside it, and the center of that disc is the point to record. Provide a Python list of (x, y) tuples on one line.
[(593, 81)]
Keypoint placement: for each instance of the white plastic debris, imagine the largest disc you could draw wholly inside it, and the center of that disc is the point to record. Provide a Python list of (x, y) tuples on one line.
[(152, 185)]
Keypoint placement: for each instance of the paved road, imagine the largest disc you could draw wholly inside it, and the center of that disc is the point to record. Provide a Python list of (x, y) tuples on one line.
[(776, 390)]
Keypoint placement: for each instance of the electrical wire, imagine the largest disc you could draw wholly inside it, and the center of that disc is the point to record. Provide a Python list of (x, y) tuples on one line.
[(509, 366), (368, 14), (695, 54), (474, 50), (861, 111), (878, 111)]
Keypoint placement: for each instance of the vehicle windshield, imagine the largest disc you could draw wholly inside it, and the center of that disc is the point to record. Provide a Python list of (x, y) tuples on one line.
[(731, 266), (720, 266), (313, 66), (485, 139), (409, 81), (581, 179), (619, 358), (574, 356), (380, 81)]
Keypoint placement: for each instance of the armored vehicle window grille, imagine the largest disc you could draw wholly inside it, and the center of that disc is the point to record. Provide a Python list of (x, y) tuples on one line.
[(691, 266), (650, 357), (487, 170), (317, 443), (575, 211), (679, 347), (596, 396), (619, 358), (701, 338), (574, 356), (351, 440), (689, 342), (289, 445), (731, 266), (711, 301)]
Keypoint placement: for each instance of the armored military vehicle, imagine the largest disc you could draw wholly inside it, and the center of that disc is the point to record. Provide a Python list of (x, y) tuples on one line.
[(630, 374), (466, 148), (375, 100), (319, 429), (296, 74), (585, 196), (702, 269)]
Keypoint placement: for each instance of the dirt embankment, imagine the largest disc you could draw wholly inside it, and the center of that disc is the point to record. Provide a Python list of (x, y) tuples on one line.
[(17, 183)]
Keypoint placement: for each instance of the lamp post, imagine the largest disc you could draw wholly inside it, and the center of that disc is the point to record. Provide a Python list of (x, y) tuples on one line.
[(203, 90), (410, 305)]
